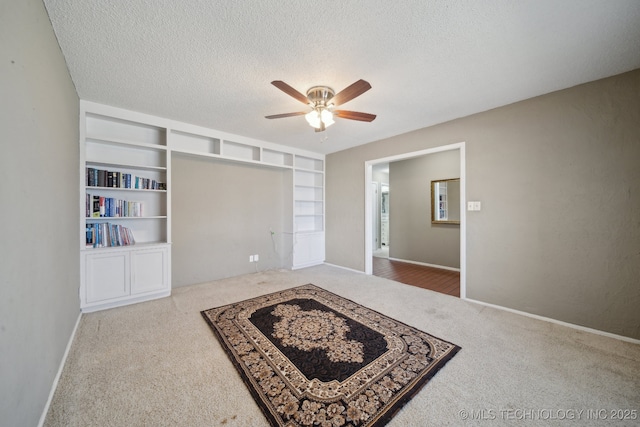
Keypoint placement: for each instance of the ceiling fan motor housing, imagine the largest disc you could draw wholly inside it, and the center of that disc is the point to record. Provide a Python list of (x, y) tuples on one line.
[(319, 96)]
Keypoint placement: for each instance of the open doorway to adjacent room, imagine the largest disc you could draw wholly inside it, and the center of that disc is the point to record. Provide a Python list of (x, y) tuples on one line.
[(404, 251)]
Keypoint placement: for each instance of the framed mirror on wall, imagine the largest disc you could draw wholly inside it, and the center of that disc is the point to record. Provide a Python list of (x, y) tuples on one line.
[(384, 208), (445, 201)]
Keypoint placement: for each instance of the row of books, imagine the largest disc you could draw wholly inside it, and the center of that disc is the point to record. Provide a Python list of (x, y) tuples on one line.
[(100, 206), (104, 178), (105, 235)]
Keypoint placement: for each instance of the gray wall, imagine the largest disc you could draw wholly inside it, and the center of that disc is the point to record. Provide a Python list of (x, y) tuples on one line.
[(222, 212), (39, 196), (412, 235), (558, 177)]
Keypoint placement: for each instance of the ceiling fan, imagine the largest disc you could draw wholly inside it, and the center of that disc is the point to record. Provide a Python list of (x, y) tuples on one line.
[(322, 100)]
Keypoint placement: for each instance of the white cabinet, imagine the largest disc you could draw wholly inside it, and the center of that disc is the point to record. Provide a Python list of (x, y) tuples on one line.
[(308, 250), (107, 276), (112, 278), (149, 270)]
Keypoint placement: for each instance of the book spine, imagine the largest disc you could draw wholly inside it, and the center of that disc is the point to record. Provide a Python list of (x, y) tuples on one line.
[(88, 234), (96, 206), (112, 235)]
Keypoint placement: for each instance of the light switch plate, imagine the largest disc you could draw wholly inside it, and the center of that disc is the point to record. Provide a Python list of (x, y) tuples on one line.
[(474, 206)]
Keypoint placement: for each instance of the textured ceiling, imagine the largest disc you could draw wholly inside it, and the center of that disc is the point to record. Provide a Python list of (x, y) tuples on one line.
[(210, 63)]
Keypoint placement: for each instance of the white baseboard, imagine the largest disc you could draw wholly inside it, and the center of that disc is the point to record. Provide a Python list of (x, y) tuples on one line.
[(443, 267), (57, 378), (306, 265), (558, 322), (344, 268)]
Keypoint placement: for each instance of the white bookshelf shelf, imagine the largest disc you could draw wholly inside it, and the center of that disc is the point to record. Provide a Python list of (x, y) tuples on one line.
[(122, 218), (143, 190), (124, 166), (123, 142)]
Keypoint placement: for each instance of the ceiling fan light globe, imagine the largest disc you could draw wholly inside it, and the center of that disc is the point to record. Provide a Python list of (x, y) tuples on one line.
[(313, 118), (327, 117)]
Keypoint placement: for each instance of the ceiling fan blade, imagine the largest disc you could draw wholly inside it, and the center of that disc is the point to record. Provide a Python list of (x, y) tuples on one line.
[(290, 91), (279, 116), (350, 92), (354, 115)]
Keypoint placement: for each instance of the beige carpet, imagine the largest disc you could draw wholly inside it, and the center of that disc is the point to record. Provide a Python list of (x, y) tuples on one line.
[(158, 363)]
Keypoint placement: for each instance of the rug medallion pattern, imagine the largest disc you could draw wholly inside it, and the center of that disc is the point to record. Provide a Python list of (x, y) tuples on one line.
[(310, 357)]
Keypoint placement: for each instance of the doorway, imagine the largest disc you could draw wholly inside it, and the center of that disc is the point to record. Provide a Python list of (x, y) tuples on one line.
[(369, 200)]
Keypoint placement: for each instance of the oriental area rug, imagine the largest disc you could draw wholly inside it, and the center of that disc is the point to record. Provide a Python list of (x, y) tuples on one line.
[(310, 357)]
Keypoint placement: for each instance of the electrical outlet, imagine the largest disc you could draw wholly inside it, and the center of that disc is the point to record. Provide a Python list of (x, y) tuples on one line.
[(250, 258), (256, 257)]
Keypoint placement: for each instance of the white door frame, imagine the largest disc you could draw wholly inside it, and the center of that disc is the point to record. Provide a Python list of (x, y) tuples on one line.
[(368, 220)]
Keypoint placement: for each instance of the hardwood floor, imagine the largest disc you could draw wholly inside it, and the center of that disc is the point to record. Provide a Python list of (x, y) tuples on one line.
[(435, 279)]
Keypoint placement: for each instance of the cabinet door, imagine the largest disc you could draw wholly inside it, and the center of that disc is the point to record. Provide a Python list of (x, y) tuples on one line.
[(150, 270), (309, 249), (107, 276)]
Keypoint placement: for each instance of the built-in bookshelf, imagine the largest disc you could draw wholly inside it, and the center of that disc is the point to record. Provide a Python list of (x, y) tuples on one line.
[(308, 211), (309, 201), (224, 149), (126, 176), (125, 251), (308, 182), (125, 205)]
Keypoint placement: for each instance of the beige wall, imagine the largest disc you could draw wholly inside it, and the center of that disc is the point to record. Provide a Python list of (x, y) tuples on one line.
[(222, 212), (558, 178), (412, 235), (39, 211)]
